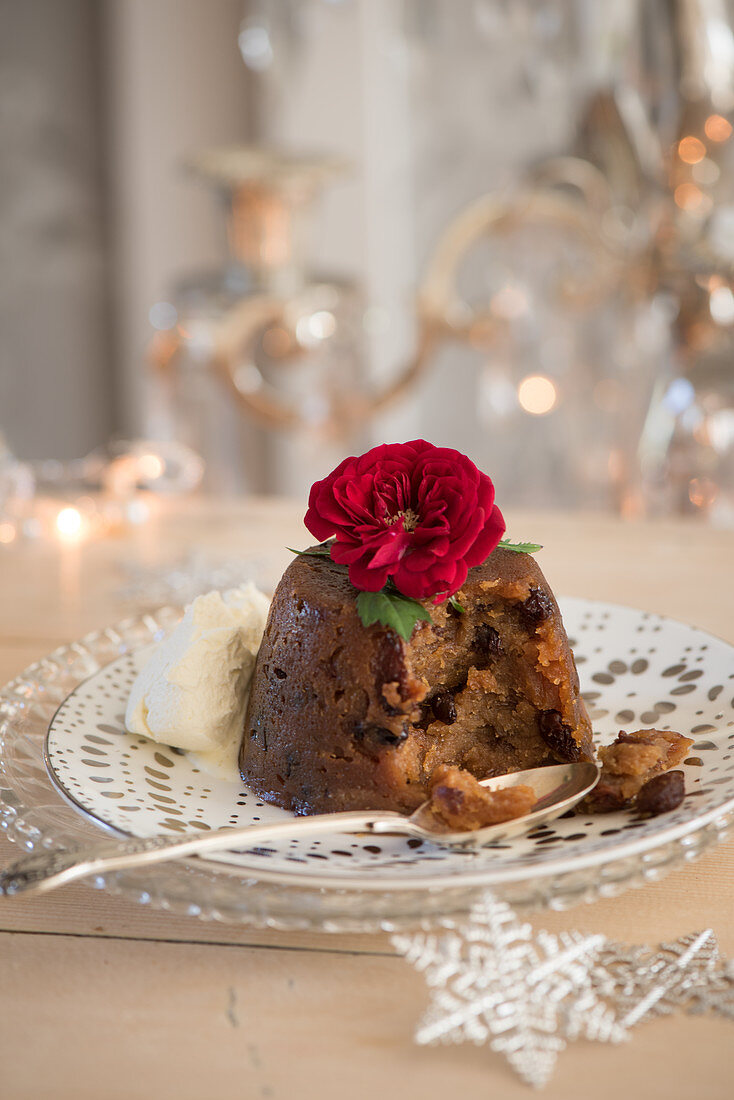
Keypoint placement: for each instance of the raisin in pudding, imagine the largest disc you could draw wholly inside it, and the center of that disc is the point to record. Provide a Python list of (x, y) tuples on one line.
[(345, 716)]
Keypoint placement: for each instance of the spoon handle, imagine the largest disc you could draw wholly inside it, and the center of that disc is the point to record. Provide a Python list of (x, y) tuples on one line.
[(45, 870)]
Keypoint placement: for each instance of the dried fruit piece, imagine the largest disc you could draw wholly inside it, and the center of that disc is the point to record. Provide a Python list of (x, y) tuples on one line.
[(444, 707), (537, 607), (661, 794), (558, 737), (487, 640), (379, 734)]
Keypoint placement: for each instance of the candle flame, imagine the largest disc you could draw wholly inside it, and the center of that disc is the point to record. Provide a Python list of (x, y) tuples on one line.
[(69, 523)]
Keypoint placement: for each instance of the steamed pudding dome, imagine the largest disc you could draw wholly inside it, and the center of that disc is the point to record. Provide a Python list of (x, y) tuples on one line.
[(343, 716)]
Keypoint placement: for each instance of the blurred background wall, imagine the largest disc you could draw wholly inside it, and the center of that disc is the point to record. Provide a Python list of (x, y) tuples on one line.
[(56, 373), (100, 103), (493, 199)]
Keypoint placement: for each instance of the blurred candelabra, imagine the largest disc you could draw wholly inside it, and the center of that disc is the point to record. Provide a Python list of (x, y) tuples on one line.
[(607, 272), (643, 213), (112, 489), (266, 339)]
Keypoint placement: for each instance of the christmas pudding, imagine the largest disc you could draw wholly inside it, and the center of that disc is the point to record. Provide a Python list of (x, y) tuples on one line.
[(415, 639)]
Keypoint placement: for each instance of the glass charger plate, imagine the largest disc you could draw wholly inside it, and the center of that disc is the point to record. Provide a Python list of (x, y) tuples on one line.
[(68, 768)]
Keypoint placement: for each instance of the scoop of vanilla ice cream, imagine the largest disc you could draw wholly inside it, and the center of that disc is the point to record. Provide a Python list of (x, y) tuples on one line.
[(192, 691)]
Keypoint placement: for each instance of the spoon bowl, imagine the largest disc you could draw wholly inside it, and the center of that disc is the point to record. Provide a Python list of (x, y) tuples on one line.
[(558, 788)]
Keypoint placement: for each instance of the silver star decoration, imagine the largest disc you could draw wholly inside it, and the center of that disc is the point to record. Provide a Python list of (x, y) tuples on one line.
[(689, 974), (527, 995)]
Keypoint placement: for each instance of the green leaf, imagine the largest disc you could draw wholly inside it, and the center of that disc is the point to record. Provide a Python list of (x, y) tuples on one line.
[(456, 605), (400, 613), (316, 552), (520, 547)]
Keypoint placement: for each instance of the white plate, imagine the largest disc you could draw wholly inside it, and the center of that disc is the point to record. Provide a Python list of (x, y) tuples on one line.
[(637, 670)]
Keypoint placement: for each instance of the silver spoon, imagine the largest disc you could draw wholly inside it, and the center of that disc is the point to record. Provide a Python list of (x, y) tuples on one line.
[(558, 788)]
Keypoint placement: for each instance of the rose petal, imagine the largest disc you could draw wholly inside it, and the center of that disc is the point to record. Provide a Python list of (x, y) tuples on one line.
[(368, 580), (363, 503)]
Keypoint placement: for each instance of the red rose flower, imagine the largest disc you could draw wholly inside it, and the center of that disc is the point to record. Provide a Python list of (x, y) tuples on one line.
[(414, 513)]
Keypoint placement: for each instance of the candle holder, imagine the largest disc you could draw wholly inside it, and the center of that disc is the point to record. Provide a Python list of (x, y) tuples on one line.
[(267, 336), (106, 492)]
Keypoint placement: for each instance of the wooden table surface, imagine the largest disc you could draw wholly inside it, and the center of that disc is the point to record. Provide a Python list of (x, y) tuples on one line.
[(101, 998)]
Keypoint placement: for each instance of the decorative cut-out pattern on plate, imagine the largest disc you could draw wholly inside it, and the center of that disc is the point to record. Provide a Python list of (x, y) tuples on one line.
[(637, 670)]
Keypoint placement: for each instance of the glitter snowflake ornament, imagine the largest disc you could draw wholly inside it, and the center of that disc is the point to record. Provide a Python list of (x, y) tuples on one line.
[(525, 995), (689, 974)]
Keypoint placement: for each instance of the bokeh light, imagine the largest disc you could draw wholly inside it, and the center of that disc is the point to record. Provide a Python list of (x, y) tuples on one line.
[(702, 491), (706, 172), (721, 305), (150, 466), (691, 150), (537, 394), (69, 523), (311, 330), (679, 396), (255, 46), (688, 197), (717, 128)]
